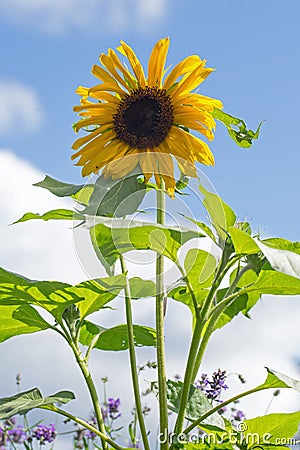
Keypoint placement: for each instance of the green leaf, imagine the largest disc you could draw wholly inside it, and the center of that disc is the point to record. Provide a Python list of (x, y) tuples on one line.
[(280, 380), (116, 338), (88, 332), (116, 198), (285, 261), (282, 244), (221, 215), (237, 306), (181, 294), (272, 428), (241, 136), (94, 295), (197, 405), (276, 283), (243, 242), (111, 241), (59, 188), (26, 401), (207, 230), (140, 288), (200, 267), (55, 214), (16, 320), (54, 296)]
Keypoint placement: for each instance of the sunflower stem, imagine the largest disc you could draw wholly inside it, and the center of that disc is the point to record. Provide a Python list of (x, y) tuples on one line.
[(92, 390), (132, 357), (160, 343)]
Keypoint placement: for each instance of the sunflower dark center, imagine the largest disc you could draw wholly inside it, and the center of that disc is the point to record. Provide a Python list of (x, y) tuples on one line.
[(144, 117)]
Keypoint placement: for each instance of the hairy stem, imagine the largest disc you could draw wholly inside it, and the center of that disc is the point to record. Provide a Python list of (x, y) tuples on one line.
[(92, 390), (132, 357), (160, 344)]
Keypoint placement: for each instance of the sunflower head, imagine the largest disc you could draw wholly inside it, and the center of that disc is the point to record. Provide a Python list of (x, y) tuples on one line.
[(147, 117)]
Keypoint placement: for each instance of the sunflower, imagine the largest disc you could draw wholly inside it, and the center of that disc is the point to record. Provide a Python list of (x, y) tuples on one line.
[(148, 118)]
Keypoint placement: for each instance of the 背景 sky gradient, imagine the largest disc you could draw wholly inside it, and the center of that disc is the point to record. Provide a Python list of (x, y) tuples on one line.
[(47, 49)]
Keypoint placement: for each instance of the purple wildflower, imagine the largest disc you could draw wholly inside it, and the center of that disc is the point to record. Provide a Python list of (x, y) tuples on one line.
[(45, 434), (239, 415), (17, 434), (113, 408), (212, 388)]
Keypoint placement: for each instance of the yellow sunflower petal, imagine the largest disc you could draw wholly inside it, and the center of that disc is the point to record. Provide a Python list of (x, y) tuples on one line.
[(83, 140), (94, 147), (103, 75), (185, 66), (121, 167), (191, 81), (128, 77), (134, 62), (110, 66), (157, 62), (147, 163)]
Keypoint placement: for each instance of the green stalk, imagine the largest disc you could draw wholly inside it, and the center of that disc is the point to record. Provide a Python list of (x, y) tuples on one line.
[(85, 424), (92, 390), (159, 317), (188, 376), (214, 317), (132, 357), (193, 362)]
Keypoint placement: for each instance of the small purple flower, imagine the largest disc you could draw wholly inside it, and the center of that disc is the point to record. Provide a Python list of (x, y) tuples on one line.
[(17, 434), (113, 408), (45, 434), (239, 415), (212, 388)]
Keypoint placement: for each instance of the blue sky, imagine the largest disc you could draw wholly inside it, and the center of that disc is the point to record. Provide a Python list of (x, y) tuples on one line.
[(47, 49), (50, 48)]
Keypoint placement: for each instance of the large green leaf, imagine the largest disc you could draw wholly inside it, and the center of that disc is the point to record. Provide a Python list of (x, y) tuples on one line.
[(55, 214), (241, 136), (116, 338), (140, 288), (54, 296), (282, 244), (243, 242), (200, 268), (276, 283), (116, 198), (221, 215), (182, 295), (26, 401), (272, 428), (112, 238), (282, 260), (197, 405), (93, 295), (16, 320), (59, 188)]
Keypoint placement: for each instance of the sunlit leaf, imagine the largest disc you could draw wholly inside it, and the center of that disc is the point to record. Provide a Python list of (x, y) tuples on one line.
[(26, 401), (17, 320), (111, 241), (243, 242), (276, 283), (237, 129), (221, 215), (116, 338), (285, 261), (56, 214)]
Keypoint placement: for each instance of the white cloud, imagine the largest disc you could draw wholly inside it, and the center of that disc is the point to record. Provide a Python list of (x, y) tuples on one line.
[(57, 16), (45, 250), (20, 108)]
